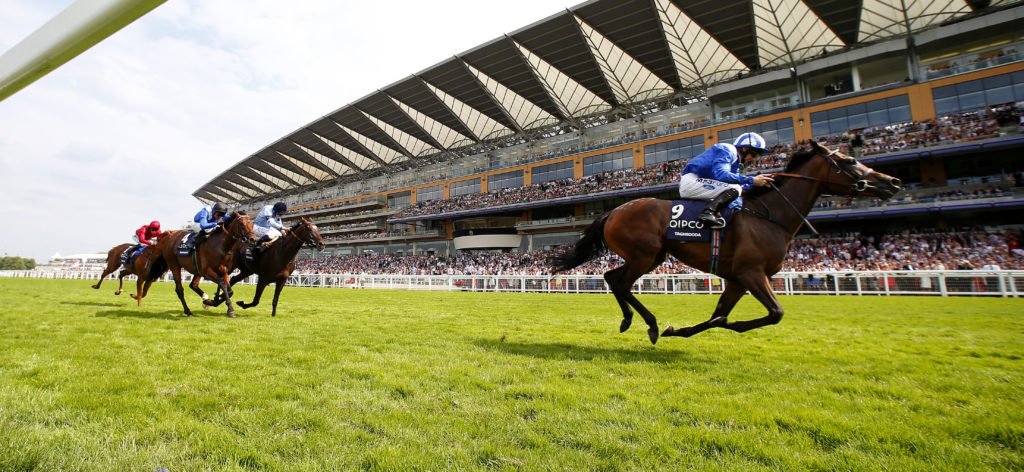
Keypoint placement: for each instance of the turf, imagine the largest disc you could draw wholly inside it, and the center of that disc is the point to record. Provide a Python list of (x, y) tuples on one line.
[(397, 380)]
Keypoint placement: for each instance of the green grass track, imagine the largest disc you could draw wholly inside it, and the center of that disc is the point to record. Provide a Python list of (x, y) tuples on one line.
[(402, 380)]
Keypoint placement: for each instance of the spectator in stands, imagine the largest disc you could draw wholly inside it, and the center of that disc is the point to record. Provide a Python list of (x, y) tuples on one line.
[(714, 175), (207, 220), (268, 225), (857, 144)]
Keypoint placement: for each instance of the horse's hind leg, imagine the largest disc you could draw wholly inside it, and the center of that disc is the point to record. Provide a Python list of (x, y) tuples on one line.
[(138, 291), (106, 271), (612, 278), (730, 296), (179, 289), (623, 287), (760, 288)]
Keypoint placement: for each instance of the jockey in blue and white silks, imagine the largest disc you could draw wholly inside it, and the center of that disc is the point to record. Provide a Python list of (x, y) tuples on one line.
[(268, 225), (714, 175), (206, 220)]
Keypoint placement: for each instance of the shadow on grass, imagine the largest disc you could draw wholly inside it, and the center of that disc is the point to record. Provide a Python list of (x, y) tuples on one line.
[(585, 353), (173, 315), (81, 303)]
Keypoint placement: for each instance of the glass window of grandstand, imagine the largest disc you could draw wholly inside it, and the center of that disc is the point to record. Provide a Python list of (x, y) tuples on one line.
[(975, 94), (556, 171), (512, 179), (608, 162), (465, 187), (881, 112), (427, 194), (773, 132), (399, 200), (673, 150)]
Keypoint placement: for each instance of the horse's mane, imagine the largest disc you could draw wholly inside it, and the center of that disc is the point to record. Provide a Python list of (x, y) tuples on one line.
[(798, 158)]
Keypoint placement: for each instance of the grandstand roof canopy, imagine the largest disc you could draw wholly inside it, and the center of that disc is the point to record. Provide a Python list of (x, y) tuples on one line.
[(599, 58)]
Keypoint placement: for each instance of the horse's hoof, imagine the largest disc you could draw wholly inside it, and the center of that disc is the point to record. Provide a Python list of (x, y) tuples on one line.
[(117, 293), (653, 334), (243, 305), (668, 331), (188, 312), (625, 325), (231, 314), (97, 287)]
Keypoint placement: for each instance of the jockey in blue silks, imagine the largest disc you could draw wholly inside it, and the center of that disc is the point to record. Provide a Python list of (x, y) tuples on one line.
[(714, 175), (206, 220), (268, 225)]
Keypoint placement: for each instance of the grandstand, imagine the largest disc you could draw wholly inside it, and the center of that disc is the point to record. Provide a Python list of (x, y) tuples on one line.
[(515, 145)]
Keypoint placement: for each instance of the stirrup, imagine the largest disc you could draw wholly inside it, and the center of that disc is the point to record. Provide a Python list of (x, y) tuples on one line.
[(714, 220)]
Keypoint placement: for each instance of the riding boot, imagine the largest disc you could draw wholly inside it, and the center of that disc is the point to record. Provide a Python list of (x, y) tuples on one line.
[(200, 236), (712, 215)]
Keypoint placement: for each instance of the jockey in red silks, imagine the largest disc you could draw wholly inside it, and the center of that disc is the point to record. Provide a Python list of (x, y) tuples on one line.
[(147, 234), (144, 236)]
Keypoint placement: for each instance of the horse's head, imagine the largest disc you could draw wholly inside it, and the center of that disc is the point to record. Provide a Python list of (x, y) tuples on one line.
[(844, 175), (308, 233), (239, 226)]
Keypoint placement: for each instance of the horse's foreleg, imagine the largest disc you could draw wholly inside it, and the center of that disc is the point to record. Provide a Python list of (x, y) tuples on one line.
[(277, 293), (120, 281), (138, 291), (223, 283), (260, 285), (195, 288), (760, 287), (730, 296)]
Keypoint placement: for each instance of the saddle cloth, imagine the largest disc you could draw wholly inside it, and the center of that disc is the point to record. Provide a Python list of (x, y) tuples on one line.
[(684, 224), (128, 256), (186, 246)]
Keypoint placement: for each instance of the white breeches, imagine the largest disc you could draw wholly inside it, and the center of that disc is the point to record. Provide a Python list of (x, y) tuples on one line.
[(272, 233), (691, 186)]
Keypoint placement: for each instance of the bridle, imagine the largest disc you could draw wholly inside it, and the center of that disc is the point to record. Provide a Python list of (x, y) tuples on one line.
[(308, 240), (860, 182), (232, 228)]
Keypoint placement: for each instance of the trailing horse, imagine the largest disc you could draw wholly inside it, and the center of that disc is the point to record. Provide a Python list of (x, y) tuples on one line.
[(754, 246), (275, 263), (212, 257), (147, 267)]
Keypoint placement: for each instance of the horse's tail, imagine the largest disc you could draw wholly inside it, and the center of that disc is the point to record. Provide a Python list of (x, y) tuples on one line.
[(588, 247), (157, 268)]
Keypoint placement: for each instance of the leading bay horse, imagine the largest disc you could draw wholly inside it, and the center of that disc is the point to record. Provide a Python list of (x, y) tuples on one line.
[(275, 263), (213, 257), (147, 267), (754, 246)]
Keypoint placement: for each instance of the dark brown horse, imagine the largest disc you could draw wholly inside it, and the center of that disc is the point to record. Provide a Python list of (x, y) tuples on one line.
[(754, 246), (213, 257), (147, 267), (274, 264)]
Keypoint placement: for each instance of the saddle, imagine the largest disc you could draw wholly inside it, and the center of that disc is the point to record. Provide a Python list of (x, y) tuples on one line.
[(684, 221), (130, 253)]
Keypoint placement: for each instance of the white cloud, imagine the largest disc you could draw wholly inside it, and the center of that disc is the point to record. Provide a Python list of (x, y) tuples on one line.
[(125, 132)]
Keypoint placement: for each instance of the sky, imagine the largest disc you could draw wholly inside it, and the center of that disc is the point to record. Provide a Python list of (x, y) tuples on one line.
[(125, 132)]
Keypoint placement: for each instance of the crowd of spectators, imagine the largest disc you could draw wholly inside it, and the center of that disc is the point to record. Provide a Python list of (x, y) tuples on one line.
[(607, 181), (919, 196), (947, 129), (938, 250)]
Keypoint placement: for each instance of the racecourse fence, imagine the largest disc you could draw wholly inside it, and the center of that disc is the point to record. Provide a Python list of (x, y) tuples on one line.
[(1004, 283)]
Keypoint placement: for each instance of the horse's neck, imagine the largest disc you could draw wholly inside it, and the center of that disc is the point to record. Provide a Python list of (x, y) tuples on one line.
[(801, 193), (290, 245)]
